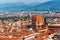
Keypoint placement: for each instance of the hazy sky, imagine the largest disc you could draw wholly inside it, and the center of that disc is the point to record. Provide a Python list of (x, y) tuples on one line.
[(21, 1)]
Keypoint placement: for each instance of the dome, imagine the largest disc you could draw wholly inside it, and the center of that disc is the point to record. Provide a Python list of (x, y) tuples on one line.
[(38, 18)]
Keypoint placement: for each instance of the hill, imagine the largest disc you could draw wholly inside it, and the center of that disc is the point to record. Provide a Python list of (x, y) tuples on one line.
[(53, 5), (48, 6)]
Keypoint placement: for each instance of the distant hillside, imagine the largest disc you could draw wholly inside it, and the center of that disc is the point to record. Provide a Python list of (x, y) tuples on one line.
[(14, 7), (47, 6)]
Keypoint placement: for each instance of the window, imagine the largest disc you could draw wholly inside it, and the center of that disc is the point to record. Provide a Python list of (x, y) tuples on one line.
[(38, 26), (38, 22)]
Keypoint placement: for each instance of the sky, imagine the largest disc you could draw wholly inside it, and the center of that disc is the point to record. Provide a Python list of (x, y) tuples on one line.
[(22, 1)]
